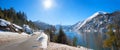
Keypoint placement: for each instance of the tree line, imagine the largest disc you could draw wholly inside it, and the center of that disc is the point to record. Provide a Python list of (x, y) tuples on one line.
[(18, 18), (60, 37)]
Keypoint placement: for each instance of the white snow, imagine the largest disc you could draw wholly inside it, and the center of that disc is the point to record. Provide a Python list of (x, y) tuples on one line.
[(78, 25), (9, 33), (27, 29), (95, 30), (23, 33), (43, 39), (101, 22), (91, 17), (7, 23), (18, 27), (87, 30), (4, 22)]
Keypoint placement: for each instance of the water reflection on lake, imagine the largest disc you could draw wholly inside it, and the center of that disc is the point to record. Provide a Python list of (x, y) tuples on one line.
[(82, 40), (71, 35)]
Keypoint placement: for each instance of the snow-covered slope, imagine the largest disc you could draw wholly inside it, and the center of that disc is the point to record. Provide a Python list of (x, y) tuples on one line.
[(76, 26), (11, 27), (97, 22), (8, 26), (4, 22), (80, 24)]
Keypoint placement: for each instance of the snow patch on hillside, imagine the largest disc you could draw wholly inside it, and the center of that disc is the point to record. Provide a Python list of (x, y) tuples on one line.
[(18, 27), (4, 22), (91, 17)]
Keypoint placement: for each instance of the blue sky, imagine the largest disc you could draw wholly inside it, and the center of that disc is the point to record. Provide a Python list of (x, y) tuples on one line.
[(65, 12)]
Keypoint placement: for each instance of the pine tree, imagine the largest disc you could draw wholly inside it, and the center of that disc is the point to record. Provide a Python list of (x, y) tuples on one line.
[(62, 38), (75, 41), (15, 17), (1, 13)]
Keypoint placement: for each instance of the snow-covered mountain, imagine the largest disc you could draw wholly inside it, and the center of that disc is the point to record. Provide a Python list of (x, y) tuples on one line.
[(76, 26), (97, 22)]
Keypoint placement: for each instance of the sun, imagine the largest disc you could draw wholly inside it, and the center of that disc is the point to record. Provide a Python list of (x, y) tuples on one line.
[(47, 4)]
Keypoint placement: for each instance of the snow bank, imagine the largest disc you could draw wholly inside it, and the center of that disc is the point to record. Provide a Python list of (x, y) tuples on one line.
[(43, 38), (7, 26), (18, 27), (4, 22), (27, 29)]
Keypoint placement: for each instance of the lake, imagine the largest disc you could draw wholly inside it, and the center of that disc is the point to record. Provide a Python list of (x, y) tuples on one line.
[(85, 41)]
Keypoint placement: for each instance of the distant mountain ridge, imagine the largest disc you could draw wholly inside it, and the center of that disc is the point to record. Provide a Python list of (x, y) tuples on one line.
[(42, 25), (97, 22), (64, 27)]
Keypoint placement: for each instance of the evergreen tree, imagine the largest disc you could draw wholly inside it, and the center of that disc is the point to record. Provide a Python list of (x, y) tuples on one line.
[(51, 32), (18, 18), (1, 13), (75, 41), (62, 37)]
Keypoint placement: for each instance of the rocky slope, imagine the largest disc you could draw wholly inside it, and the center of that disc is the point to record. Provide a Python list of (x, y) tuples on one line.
[(97, 22)]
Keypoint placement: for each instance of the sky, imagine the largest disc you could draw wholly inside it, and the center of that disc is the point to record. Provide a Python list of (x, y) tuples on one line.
[(64, 12)]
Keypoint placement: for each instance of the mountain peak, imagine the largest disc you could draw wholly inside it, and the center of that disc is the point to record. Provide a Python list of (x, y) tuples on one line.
[(95, 14), (91, 17), (101, 12)]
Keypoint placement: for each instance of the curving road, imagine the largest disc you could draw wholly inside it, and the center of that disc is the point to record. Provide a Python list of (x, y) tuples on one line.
[(27, 43), (30, 43)]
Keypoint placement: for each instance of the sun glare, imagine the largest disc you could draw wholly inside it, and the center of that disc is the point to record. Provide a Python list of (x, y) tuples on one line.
[(47, 4)]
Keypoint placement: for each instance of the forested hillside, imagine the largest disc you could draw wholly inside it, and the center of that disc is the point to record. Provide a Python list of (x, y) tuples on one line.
[(18, 18)]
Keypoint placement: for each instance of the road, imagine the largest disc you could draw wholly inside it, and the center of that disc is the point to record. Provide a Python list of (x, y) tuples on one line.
[(30, 43)]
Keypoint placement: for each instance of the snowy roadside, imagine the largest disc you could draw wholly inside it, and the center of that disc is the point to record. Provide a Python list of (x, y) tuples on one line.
[(56, 46), (10, 38)]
